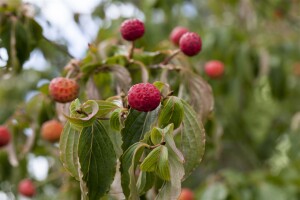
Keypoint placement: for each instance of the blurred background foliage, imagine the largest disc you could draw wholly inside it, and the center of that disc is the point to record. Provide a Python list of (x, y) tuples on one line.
[(252, 135)]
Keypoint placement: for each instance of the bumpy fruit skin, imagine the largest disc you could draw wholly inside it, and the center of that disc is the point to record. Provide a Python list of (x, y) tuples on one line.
[(176, 34), (51, 130), (186, 194), (4, 136), (63, 90), (132, 29), (144, 97), (190, 44), (26, 188), (214, 68)]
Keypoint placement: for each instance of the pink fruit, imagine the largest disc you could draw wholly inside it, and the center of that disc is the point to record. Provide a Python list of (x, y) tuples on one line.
[(186, 194), (144, 97), (176, 34), (190, 44), (51, 130), (132, 29), (63, 89), (26, 188), (214, 68), (4, 136)]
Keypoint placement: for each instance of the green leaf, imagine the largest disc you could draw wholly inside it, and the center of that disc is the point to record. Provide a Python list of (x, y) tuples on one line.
[(88, 68), (171, 112), (105, 107), (150, 162), (170, 143), (192, 139), (136, 125), (163, 169), (121, 60), (156, 136), (115, 119), (129, 161), (164, 88), (75, 105), (200, 93), (171, 189), (23, 48), (83, 115), (145, 182), (150, 58), (97, 159), (68, 146), (159, 85), (35, 30), (116, 139)]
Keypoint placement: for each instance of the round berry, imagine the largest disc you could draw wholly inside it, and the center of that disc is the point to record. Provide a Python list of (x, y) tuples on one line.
[(143, 97), (190, 44), (176, 34), (132, 29), (63, 90), (26, 188), (51, 130), (4, 136), (186, 194), (214, 68)]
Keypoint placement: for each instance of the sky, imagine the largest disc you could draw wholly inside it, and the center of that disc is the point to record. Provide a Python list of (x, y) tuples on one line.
[(60, 14)]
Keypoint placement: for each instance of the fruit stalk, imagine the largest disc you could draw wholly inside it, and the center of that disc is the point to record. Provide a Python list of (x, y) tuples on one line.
[(131, 51), (168, 59)]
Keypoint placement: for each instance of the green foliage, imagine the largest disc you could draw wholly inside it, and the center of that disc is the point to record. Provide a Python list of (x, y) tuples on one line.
[(97, 160), (69, 150), (172, 112), (250, 114), (193, 139), (129, 162), (136, 125)]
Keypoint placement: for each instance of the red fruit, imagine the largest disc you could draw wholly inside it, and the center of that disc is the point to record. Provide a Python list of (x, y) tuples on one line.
[(186, 194), (26, 188), (63, 89), (214, 68), (51, 130), (4, 136), (190, 44), (132, 29), (143, 97), (176, 34)]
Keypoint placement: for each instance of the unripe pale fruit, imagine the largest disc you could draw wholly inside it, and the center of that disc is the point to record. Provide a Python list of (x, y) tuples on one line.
[(51, 130), (26, 188), (214, 68), (4, 136), (63, 90), (144, 97), (132, 29), (186, 194), (190, 44), (176, 34)]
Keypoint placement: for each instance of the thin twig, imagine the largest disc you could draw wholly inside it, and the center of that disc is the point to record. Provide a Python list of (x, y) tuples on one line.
[(130, 56), (168, 59)]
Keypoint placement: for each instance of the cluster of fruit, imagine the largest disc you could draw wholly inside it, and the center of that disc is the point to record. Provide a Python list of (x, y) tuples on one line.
[(143, 97)]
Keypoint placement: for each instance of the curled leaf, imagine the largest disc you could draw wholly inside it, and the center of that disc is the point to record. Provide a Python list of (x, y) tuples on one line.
[(150, 162), (83, 115), (171, 112)]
